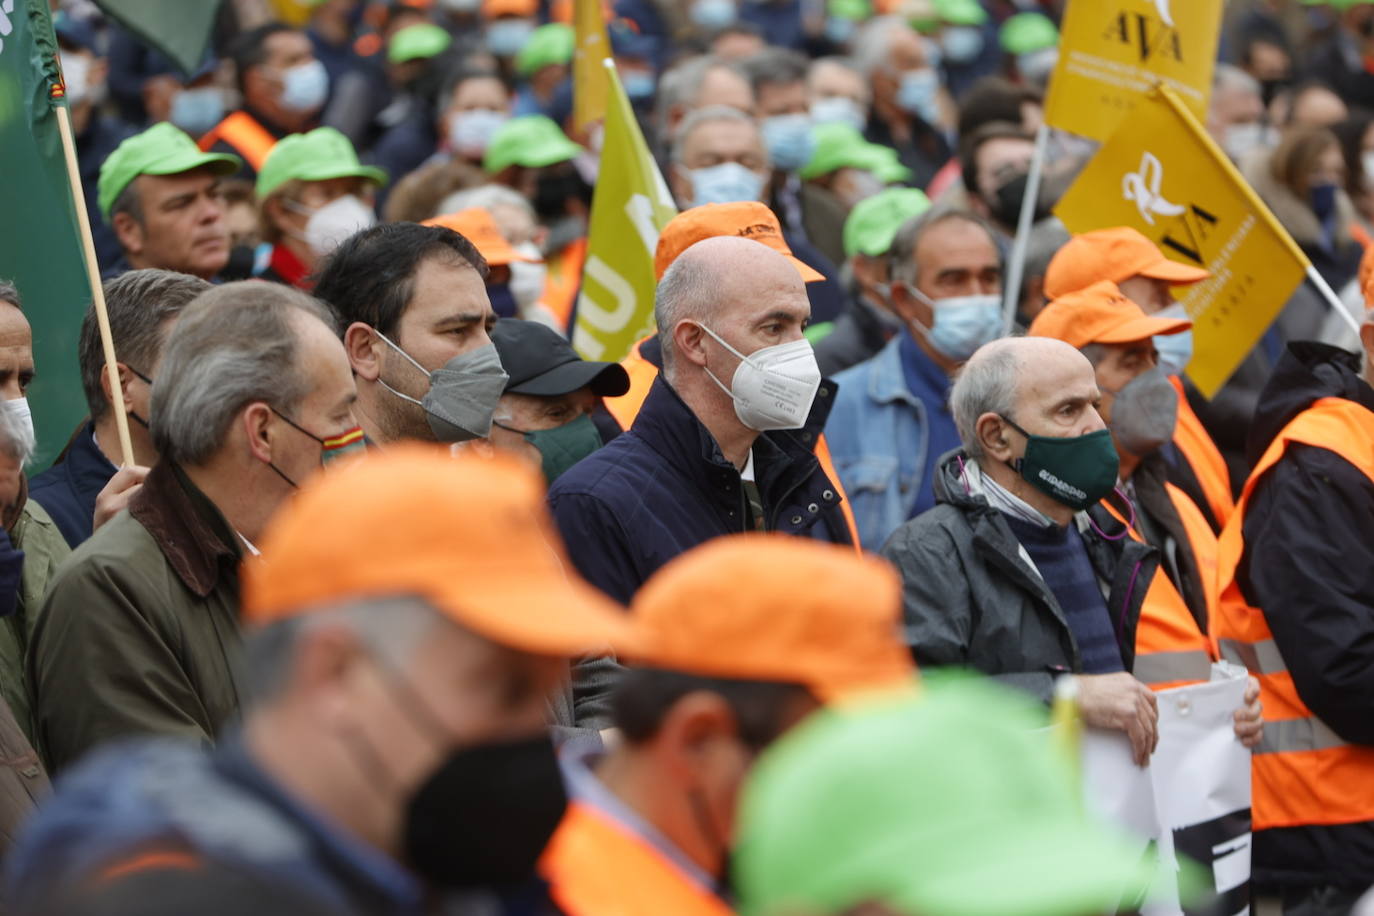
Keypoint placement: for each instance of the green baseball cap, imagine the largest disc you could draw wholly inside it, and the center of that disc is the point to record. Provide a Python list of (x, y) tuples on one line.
[(873, 223), (160, 150), (1027, 32), (961, 12), (949, 803), (857, 10), (547, 45), (319, 155), (839, 146), (532, 141), (416, 42)]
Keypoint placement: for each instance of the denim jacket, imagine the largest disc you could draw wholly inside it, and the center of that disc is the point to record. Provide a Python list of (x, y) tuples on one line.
[(878, 433)]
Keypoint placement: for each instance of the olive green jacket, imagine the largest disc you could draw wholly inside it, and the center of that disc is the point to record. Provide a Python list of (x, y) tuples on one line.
[(45, 549), (139, 631)]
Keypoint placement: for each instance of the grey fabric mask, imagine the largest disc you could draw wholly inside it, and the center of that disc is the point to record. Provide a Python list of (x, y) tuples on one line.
[(1145, 413), (462, 395)]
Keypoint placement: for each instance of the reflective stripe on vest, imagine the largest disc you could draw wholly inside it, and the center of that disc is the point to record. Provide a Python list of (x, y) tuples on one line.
[(249, 139), (642, 374), (1203, 456), (1303, 772), (1170, 649), (596, 866)]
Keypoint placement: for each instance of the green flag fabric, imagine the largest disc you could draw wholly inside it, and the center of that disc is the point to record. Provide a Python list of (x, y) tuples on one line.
[(630, 207), (40, 249), (180, 29)]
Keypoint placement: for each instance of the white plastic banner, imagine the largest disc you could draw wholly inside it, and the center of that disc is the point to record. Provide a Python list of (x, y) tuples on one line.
[(1192, 800)]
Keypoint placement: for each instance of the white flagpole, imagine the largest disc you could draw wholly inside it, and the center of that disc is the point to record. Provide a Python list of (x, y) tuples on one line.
[(1011, 280), (1333, 300)]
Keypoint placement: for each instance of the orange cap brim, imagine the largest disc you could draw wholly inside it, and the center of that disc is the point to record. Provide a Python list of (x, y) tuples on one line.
[(1175, 273), (1142, 329), (808, 273)]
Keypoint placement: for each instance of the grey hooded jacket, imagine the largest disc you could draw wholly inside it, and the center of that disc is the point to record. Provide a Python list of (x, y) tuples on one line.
[(972, 597)]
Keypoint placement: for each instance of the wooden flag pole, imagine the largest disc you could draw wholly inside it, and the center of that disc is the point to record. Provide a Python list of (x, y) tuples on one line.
[(1011, 279), (64, 126)]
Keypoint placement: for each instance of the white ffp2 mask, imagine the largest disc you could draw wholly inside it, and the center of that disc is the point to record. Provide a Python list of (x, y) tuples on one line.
[(773, 387)]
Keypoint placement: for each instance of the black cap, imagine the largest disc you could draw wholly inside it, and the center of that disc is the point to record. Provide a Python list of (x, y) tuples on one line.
[(541, 362)]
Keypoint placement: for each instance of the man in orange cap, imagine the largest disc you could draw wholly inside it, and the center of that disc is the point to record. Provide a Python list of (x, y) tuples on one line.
[(393, 747), (1140, 408), (737, 641), (723, 443), (477, 225), (1144, 275)]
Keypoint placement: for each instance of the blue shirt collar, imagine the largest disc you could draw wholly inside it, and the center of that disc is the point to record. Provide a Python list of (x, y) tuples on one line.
[(924, 378)]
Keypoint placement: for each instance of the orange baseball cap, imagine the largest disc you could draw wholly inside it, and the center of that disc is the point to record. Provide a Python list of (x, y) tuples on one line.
[(747, 219), (1100, 314), (469, 534), (766, 607), (1366, 274), (477, 226), (493, 8), (1112, 254)]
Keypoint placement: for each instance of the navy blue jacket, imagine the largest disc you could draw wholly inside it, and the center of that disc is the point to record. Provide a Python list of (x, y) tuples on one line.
[(68, 489), (664, 487)]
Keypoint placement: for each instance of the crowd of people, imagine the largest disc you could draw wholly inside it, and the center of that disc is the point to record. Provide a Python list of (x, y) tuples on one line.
[(397, 604)]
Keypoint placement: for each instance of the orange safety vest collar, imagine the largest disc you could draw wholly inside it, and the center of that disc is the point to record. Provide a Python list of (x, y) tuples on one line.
[(1303, 772), (596, 866), (250, 139), (642, 374), (1203, 456), (1170, 649)]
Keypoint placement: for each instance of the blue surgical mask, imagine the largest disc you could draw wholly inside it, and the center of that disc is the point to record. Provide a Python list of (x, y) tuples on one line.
[(789, 141), (962, 323), (470, 132), (838, 110), (1036, 66), (505, 37), (726, 183), (962, 43), (712, 15), (305, 87), (1323, 200), (1175, 350), (502, 300), (196, 111), (918, 95), (838, 29), (639, 84)]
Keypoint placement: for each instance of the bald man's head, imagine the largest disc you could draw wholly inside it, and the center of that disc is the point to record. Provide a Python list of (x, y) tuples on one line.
[(1016, 378), (743, 291)]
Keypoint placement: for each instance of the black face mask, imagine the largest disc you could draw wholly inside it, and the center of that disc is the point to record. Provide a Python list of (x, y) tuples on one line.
[(1271, 88), (1006, 203), (483, 818), (502, 300)]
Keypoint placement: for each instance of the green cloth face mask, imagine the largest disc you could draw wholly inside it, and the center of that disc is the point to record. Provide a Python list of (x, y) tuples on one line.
[(1077, 471), (563, 446)]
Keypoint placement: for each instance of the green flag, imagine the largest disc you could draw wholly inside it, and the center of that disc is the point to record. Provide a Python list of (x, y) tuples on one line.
[(180, 29), (630, 207), (40, 249)]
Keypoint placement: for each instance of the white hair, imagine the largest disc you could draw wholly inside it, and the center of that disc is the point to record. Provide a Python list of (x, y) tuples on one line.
[(707, 115), (873, 42), (685, 289), (986, 384), (486, 197)]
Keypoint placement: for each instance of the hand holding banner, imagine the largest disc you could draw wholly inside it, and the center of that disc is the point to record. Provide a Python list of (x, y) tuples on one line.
[(1162, 174), (1113, 51)]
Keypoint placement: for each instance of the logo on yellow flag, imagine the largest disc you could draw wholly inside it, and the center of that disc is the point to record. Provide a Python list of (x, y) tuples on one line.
[(630, 207), (1161, 174), (1113, 51)]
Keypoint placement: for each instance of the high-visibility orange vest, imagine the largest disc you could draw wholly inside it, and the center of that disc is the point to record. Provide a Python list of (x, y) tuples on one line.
[(1303, 773), (249, 139), (642, 374), (1203, 457), (598, 867), (562, 280), (1171, 650)]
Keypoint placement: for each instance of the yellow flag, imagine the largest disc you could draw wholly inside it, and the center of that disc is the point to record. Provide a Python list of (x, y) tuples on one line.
[(589, 76), (1111, 52), (630, 207), (1162, 174)]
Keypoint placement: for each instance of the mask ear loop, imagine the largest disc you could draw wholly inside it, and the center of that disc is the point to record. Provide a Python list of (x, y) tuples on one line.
[(1129, 525)]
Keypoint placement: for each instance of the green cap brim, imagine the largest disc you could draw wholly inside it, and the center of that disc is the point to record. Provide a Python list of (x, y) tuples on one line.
[(551, 152), (325, 171), (174, 163)]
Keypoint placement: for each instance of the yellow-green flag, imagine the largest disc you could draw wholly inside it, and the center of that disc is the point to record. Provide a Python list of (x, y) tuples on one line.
[(590, 85), (630, 207), (1161, 173)]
